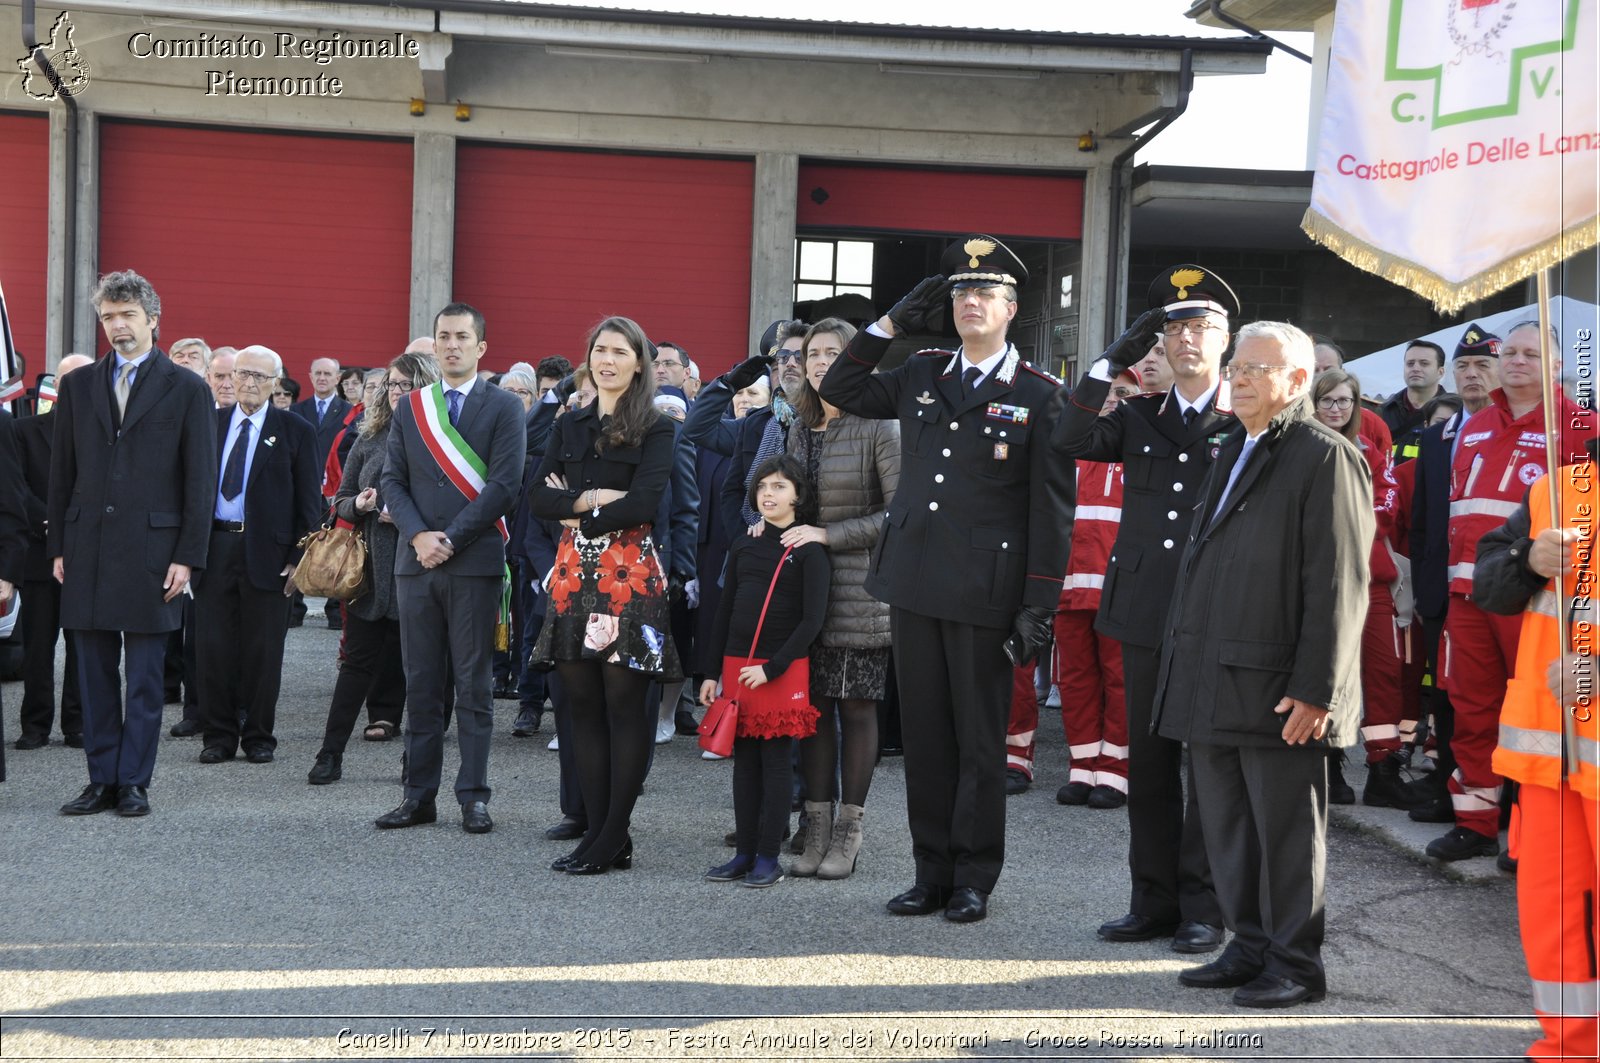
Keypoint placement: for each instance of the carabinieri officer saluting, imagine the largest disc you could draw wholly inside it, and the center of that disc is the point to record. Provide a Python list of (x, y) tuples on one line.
[(970, 557)]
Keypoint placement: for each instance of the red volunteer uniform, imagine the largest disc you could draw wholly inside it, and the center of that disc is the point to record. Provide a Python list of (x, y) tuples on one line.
[(1498, 457), (1385, 645)]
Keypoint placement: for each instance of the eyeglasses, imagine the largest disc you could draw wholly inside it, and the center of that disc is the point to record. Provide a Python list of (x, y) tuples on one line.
[(1250, 370), (251, 375), (1198, 326), (1335, 404), (784, 357), (672, 363), (517, 391), (401, 386)]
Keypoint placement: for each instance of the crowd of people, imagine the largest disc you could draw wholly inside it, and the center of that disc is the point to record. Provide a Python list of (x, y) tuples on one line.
[(1224, 565)]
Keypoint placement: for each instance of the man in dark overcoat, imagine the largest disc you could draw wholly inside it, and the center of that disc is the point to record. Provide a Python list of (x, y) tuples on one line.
[(1261, 663), (1166, 441), (131, 483), (970, 557)]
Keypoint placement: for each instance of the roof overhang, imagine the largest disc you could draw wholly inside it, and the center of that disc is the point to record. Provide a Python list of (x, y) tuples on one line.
[(1205, 207), (1279, 15)]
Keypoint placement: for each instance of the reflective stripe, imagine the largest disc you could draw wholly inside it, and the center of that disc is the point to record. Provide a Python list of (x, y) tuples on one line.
[(1487, 507), (1023, 763), (1021, 738), (1474, 802), (1078, 581), (1378, 732), (1546, 744), (1081, 775), (1543, 603), (1462, 570), (1408, 730), (1109, 750), (1574, 999), (1084, 751), (1110, 513), (1111, 779)]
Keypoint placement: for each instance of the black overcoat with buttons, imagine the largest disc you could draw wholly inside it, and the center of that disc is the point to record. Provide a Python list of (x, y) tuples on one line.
[(1164, 462), (981, 520)]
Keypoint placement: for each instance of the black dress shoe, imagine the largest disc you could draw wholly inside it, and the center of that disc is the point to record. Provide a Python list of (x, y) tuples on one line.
[(1222, 973), (31, 742), (1193, 936), (185, 729), (1017, 782), (1271, 991), (74, 741), (1104, 797), (505, 688), (561, 863), (408, 813), (328, 768), (685, 723), (1506, 862), (967, 905), (215, 755), (921, 899), (527, 723), (1133, 927), (475, 818), (132, 801), (258, 756), (96, 797), (732, 871), (1074, 793), (566, 830), (621, 862)]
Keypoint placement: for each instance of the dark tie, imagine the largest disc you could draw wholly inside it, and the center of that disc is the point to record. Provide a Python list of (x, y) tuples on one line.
[(322, 409), (455, 405), (233, 475), (1189, 416), (969, 380)]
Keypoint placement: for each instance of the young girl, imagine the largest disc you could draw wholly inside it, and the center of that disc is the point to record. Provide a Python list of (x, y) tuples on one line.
[(767, 728)]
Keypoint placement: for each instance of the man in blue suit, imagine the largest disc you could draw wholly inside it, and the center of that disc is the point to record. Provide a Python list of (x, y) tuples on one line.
[(268, 497), (131, 486)]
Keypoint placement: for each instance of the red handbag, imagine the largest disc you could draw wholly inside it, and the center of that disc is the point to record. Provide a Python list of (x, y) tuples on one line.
[(722, 718)]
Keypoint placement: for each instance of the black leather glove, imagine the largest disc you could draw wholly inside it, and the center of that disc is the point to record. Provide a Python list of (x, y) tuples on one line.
[(1133, 345), (564, 388), (916, 307), (748, 372), (1030, 634), (676, 581)]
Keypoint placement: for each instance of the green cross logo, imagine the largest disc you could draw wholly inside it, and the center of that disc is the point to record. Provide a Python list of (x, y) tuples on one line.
[(1479, 54)]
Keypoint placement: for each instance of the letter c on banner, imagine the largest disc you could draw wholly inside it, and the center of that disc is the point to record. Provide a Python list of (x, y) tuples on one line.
[(1394, 108)]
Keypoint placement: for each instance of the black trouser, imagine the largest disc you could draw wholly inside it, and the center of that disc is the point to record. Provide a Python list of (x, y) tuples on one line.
[(762, 768), (41, 623), (1166, 849), (1265, 813), (1438, 705), (241, 631), (533, 685), (372, 660), (955, 686), (568, 793)]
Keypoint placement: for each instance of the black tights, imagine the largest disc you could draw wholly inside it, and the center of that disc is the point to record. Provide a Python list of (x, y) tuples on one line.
[(612, 732), (763, 773), (858, 719)]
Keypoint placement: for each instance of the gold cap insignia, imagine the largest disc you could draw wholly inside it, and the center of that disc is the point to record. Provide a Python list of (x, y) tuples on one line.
[(1184, 279), (1471, 336), (977, 249)]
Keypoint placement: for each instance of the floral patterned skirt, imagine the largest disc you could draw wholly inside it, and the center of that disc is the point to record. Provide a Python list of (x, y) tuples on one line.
[(608, 602)]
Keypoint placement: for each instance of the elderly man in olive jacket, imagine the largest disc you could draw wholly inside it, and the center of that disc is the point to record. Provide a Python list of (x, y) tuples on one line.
[(1260, 668)]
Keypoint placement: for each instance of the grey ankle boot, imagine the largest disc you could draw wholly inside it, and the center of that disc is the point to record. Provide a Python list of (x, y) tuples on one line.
[(819, 829), (845, 844)]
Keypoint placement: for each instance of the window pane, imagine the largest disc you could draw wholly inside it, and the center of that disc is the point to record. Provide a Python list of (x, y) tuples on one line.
[(855, 262), (816, 260), (1066, 292), (806, 292), (855, 289)]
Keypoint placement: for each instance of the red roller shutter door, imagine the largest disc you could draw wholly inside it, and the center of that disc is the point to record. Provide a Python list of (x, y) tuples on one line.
[(549, 242), (892, 199), (25, 231), (301, 243)]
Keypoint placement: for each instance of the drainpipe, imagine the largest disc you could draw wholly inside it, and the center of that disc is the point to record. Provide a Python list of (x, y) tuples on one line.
[(1113, 322), (69, 177)]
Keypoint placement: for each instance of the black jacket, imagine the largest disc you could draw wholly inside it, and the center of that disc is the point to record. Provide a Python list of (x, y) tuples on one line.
[(1502, 582), (332, 424), (33, 452), (14, 508), (282, 498), (1430, 519), (1164, 463), (981, 519), (643, 471), (1271, 593)]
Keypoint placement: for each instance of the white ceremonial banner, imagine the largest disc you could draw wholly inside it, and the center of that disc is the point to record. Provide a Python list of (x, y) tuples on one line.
[(1460, 144)]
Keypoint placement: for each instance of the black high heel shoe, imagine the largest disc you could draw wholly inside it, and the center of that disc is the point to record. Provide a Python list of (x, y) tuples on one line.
[(621, 862), (561, 863)]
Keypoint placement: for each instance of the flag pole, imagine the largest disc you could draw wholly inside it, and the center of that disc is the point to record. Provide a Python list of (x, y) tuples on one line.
[(1553, 454)]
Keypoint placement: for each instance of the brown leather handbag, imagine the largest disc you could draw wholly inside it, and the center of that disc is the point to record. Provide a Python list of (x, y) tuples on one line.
[(334, 564)]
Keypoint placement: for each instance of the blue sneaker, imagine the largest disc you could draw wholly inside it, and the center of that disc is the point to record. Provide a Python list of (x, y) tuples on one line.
[(766, 872), (733, 870)]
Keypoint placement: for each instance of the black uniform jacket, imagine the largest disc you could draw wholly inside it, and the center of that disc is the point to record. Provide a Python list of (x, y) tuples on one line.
[(129, 500), (981, 521), (1163, 464), (1271, 593), (33, 450)]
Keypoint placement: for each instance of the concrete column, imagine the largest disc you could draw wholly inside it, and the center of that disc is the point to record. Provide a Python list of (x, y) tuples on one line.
[(57, 285), (1102, 286), (777, 187), (86, 246), (433, 228)]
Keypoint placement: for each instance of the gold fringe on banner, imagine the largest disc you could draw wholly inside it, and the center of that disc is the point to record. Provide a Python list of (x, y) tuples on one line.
[(1448, 297)]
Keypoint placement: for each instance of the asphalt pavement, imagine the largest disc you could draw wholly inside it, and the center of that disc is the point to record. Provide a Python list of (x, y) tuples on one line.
[(252, 916)]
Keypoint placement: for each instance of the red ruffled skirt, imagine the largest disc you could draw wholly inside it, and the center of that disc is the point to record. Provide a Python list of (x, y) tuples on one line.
[(778, 708)]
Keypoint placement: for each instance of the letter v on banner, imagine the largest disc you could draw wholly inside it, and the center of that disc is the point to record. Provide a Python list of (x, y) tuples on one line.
[(460, 462)]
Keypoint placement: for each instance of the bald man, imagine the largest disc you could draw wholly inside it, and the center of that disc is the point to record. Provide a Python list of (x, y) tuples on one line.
[(41, 594)]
